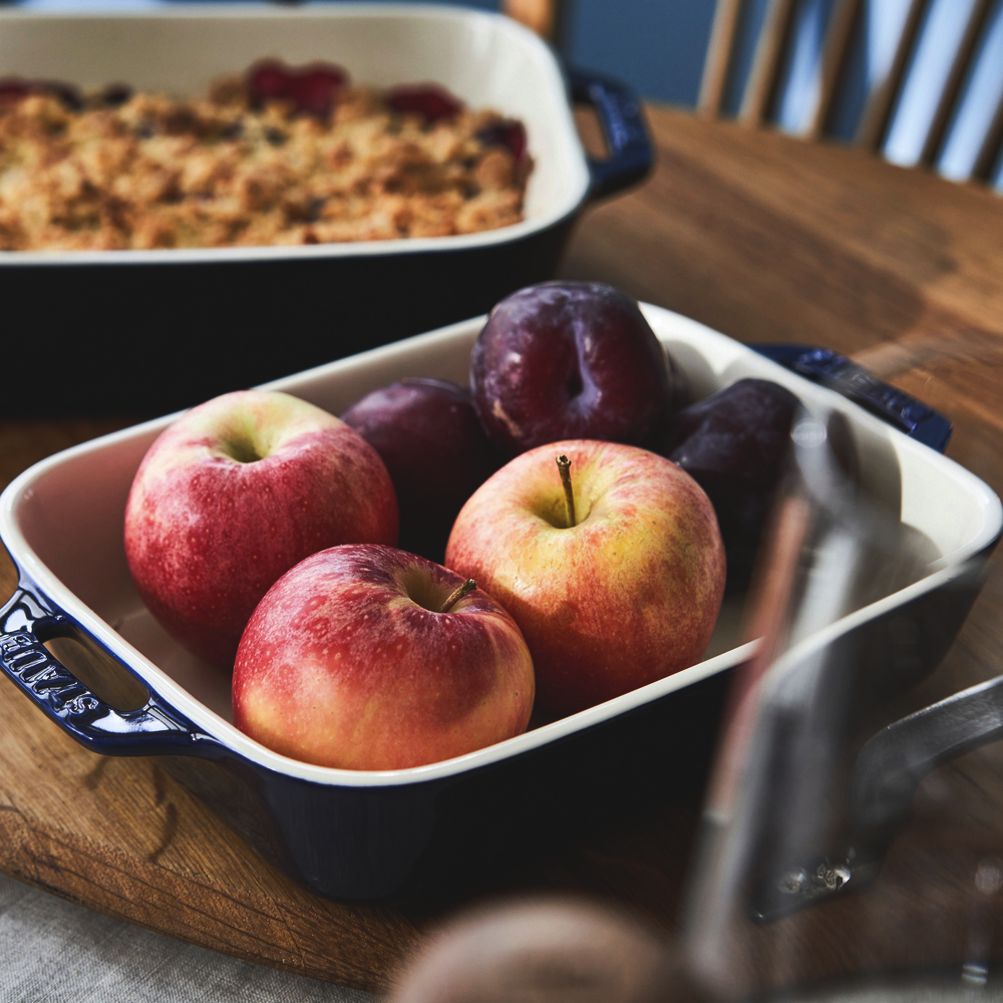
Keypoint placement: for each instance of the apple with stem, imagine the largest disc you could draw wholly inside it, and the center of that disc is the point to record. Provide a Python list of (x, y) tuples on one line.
[(370, 658), (232, 495), (608, 557)]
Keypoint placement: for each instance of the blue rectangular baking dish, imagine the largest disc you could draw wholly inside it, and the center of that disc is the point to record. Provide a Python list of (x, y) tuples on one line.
[(366, 835), (144, 332)]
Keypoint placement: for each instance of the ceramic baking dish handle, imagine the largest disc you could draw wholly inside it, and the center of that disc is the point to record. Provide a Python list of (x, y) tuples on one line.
[(828, 368), (27, 621), (621, 118)]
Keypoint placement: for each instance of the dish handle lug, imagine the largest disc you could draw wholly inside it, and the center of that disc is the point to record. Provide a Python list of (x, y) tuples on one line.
[(837, 372), (631, 153), (27, 621)]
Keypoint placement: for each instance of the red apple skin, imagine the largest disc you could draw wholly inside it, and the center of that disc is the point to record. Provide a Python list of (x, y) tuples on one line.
[(206, 534), (628, 595), (346, 663)]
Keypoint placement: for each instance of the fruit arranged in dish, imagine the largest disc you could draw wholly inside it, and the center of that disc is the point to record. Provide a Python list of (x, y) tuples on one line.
[(283, 155), (585, 567)]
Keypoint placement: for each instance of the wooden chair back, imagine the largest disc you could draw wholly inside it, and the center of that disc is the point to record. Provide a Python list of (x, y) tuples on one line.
[(759, 92), (545, 17)]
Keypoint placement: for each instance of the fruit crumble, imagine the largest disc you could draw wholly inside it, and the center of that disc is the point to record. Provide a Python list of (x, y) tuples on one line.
[(278, 156)]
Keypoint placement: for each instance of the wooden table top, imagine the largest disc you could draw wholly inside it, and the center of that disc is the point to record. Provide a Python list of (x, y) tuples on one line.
[(760, 236)]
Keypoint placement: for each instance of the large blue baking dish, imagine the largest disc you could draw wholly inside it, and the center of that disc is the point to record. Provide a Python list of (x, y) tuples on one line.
[(370, 834), (143, 332)]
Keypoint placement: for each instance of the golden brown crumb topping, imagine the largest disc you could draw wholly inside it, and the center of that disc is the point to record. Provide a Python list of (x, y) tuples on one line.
[(156, 171)]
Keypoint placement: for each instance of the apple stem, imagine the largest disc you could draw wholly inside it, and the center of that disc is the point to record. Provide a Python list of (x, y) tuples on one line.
[(457, 594), (564, 466)]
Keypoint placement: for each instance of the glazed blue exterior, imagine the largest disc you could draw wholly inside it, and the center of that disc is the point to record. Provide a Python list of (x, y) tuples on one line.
[(351, 842)]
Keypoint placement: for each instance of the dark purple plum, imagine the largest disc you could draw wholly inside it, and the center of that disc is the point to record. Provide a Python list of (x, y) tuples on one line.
[(570, 360), (429, 437), (736, 445)]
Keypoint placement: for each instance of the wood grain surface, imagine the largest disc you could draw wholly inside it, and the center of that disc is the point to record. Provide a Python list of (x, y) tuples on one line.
[(766, 239)]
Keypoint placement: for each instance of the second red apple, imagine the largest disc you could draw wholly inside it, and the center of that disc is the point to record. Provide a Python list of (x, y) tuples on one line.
[(620, 592), (370, 658)]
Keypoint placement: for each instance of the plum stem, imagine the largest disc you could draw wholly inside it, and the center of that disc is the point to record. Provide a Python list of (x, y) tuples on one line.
[(457, 594), (564, 466)]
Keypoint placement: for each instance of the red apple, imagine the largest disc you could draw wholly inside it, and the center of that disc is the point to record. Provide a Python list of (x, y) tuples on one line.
[(623, 593), (367, 658), (235, 493)]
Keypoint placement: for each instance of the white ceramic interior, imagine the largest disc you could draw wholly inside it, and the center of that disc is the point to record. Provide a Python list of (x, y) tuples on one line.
[(62, 522), (486, 59)]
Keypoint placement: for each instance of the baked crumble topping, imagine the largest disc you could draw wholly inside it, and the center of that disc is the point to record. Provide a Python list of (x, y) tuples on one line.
[(280, 156)]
